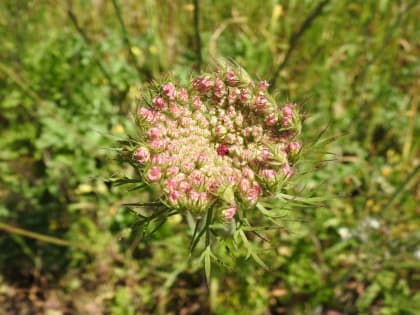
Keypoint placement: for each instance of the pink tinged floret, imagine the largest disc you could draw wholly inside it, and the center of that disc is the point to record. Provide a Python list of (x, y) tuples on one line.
[(173, 170), (287, 111), (287, 170), (156, 144), (262, 85), (286, 121), (161, 159), (214, 185), (142, 155), (202, 84), (175, 196), (159, 103), (265, 154), (180, 177), (231, 79), (203, 196), (188, 166), (232, 98), (184, 186), (229, 213), (219, 88), (196, 178), (222, 150), (183, 94), (248, 173), (171, 184), (194, 196), (244, 184), (147, 114), (268, 174), (169, 90), (244, 96), (261, 102), (175, 110), (154, 173), (271, 119), (197, 102), (154, 133), (220, 130), (254, 192), (293, 147)]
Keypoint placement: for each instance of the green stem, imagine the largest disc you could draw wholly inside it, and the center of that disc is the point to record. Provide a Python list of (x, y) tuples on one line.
[(41, 237), (197, 34)]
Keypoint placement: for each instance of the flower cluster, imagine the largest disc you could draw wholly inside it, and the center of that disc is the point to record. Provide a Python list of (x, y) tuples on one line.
[(222, 142)]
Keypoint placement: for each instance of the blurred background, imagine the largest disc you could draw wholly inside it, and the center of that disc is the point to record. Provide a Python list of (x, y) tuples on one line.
[(70, 73)]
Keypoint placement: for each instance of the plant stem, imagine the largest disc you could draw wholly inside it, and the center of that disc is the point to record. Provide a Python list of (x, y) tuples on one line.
[(88, 42), (197, 34), (41, 237), (294, 38), (126, 38)]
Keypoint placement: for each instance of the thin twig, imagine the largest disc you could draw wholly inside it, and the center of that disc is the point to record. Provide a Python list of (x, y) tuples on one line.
[(88, 42), (126, 38), (197, 34), (41, 237), (403, 187), (294, 38)]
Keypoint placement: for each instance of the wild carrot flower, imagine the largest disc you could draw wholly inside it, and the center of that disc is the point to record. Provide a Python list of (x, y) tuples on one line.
[(222, 132)]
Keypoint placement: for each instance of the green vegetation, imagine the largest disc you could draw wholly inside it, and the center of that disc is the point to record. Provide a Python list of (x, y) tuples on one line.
[(70, 73)]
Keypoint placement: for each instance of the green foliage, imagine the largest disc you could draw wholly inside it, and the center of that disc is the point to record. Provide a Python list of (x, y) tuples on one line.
[(66, 97)]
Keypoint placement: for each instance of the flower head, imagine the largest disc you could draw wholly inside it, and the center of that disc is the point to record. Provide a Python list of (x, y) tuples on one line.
[(220, 142)]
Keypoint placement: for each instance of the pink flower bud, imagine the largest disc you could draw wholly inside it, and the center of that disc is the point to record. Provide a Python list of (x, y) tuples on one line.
[(154, 173), (287, 110), (287, 170), (154, 133), (169, 90), (175, 110), (229, 213), (142, 155), (286, 121), (171, 184), (220, 131), (222, 150), (248, 173), (197, 102), (233, 96), (219, 88), (194, 196), (184, 186), (262, 85), (183, 95), (271, 119), (244, 185), (230, 138), (203, 196), (293, 147), (254, 192), (268, 174), (147, 114), (244, 96), (156, 144), (231, 79), (265, 154), (196, 178), (179, 177), (173, 170), (159, 103), (261, 102), (214, 185), (175, 196)]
